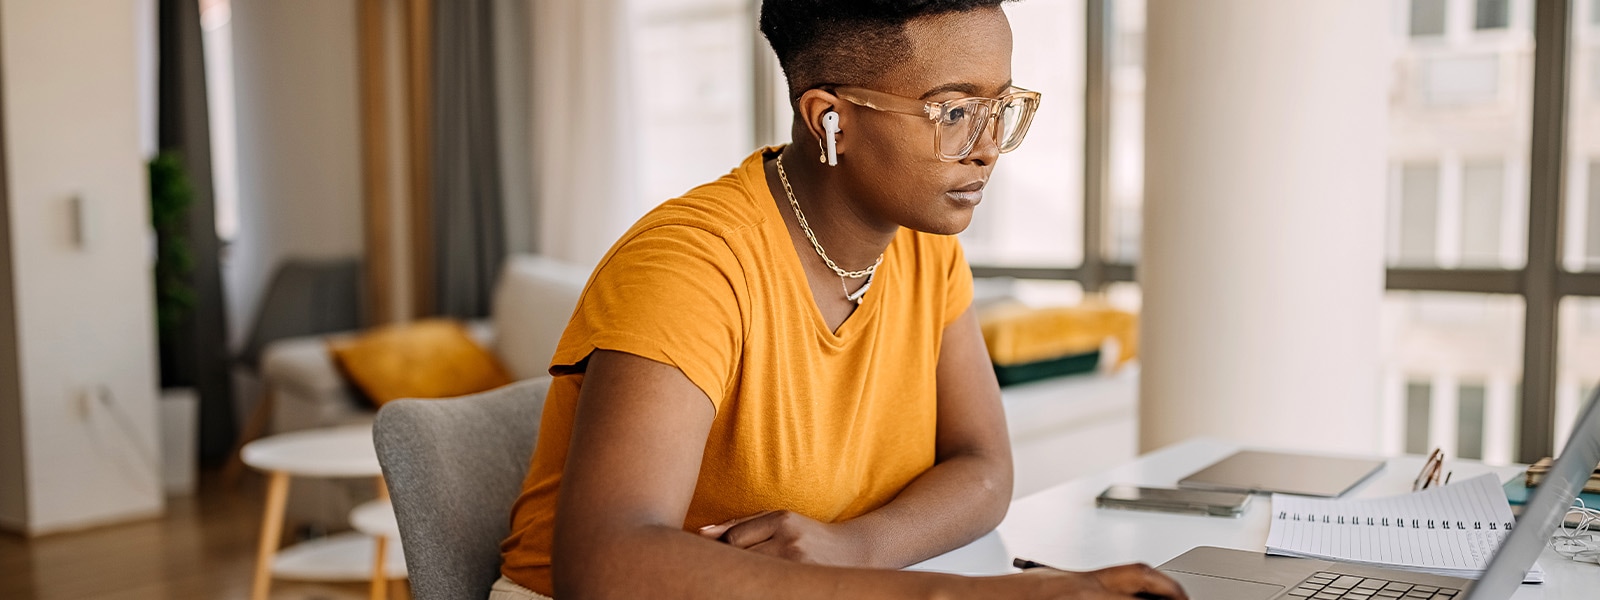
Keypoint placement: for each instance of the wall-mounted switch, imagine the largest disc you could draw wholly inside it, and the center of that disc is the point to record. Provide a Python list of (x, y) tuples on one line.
[(83, 403), (82, 225)]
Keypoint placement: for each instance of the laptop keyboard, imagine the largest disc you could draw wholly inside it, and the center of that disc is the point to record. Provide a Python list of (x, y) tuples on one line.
[(1333, 586)]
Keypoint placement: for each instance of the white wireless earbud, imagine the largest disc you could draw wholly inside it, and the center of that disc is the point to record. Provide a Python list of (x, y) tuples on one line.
[(830, 124)]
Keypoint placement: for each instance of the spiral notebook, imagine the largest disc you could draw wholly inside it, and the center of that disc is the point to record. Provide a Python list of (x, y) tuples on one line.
[(1451, 530)]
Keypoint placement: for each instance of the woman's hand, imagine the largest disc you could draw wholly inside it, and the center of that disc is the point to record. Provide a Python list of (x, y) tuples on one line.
[(799, 538), (793, 536), (1112, 583)]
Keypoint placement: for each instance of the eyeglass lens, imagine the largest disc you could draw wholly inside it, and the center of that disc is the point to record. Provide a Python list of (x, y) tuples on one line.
[(1012, 123), (965, 121), (1431, 471)]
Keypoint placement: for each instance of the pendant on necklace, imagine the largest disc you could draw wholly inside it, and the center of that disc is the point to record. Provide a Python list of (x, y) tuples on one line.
[(859, 293)]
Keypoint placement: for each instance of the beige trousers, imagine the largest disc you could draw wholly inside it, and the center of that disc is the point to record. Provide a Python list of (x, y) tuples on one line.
[(506, 589)]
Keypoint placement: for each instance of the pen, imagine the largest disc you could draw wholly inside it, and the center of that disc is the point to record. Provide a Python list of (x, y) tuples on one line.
[(1025, 564)]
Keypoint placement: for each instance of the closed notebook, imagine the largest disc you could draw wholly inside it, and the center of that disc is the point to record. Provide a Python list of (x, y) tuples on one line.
[(1518, 494), (1538, 470)]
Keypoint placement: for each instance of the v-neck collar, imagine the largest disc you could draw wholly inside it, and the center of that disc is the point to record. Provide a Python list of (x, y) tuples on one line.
[(756, 177)]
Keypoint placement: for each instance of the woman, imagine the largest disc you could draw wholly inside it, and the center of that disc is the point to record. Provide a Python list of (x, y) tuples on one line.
[(776, 383)]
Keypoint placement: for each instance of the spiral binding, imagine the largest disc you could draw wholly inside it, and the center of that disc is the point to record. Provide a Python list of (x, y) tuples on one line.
[(1444, 524)]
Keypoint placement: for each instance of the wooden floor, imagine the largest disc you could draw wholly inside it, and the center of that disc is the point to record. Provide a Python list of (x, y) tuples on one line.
[(204, 548)]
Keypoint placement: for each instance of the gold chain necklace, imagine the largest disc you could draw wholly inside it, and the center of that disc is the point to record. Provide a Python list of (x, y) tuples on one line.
[(868, 272)]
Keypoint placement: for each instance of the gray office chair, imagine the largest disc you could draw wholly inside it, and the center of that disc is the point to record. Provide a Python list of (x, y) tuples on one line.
[(454, 467)]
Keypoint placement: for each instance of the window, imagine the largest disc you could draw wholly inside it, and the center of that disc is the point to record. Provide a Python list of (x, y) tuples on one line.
[(1427, 18), (1418, 216), (1453, 81), (1482, 214), (1032, 214), (1125, 206), (699, 120), (1469, 421), (1588, 214), (1579, 360), (216, 35), (1453, 363), (1459, 139), (1470, 224), (1419, 406), (1582, 251), (1492, 14), (1459, 204), (1592, 58)]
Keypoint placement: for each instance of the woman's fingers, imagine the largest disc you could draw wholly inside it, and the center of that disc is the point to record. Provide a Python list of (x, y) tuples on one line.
[(1139, 580), (756, 530), (715, 531)]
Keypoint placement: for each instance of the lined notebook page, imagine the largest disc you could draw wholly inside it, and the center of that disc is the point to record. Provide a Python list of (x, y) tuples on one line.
[(1451, 530)]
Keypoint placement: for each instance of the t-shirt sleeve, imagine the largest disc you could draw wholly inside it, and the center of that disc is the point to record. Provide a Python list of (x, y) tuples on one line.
[(669, 294), (958, 282)]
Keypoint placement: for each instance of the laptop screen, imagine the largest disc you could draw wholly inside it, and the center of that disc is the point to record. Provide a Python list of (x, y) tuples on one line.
[(1545, 510)]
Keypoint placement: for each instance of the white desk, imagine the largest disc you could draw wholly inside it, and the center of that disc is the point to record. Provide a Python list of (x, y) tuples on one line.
[(1061, 526)]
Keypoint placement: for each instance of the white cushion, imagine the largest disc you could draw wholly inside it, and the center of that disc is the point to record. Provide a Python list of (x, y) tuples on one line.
[(532, 303)]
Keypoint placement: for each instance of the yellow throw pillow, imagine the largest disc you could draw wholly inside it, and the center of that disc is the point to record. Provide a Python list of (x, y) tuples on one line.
[(433, 358), (1017, 334)]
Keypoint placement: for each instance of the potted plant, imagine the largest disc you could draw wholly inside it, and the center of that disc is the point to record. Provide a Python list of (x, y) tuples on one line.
[(171, 196)]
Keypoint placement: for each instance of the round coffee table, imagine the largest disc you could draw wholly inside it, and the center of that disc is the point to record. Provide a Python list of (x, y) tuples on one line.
[(376, 518), (336, 452)]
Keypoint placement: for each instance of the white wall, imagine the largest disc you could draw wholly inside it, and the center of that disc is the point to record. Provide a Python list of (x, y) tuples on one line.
[(83, 315), (300, 192), (1262, 263)]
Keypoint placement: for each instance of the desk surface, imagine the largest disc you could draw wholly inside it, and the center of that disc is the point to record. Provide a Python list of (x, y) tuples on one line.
[(1061, 526)]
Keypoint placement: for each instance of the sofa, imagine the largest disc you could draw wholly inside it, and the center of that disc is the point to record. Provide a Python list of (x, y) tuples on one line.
[(533, 299)]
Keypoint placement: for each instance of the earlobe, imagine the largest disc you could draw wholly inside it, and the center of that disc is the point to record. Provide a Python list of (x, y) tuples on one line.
[(815, 112)]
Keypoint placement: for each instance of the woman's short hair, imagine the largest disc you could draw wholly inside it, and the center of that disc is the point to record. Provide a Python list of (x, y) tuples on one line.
[(845, 42)]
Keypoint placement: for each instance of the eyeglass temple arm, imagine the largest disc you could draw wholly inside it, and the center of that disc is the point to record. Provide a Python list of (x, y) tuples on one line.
[(924, 108)]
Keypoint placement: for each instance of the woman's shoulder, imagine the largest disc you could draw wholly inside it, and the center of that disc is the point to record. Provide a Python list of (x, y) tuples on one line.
[(722, 207), (700, 226)]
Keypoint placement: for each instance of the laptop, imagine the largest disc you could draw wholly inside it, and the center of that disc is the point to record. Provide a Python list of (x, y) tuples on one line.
[(1208, 573)]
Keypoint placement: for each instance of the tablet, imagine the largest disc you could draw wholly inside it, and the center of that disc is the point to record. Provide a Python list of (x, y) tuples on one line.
[(1279, 472)]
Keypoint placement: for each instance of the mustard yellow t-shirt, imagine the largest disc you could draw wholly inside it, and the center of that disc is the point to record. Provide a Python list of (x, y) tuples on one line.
[(827, 424)]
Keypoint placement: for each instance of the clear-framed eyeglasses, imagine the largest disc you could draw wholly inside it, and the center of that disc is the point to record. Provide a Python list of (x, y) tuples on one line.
[(1431, 472), (959, 122)]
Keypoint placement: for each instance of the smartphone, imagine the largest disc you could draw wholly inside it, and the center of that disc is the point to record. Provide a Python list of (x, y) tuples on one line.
[(1173, 500)]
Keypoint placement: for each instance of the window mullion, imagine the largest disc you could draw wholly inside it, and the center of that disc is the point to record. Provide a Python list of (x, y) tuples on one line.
[(1098, 26), (1550, 76)]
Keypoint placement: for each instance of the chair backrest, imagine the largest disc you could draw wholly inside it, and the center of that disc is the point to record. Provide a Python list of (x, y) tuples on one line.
[(454, 467)]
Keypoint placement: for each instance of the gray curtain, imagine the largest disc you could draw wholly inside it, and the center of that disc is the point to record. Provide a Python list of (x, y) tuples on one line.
[(468, 212), (197, 352)]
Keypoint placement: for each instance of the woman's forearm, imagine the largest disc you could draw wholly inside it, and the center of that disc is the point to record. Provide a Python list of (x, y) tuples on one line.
[(954, 502), (659, 562)]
